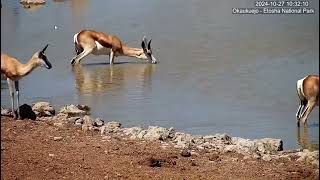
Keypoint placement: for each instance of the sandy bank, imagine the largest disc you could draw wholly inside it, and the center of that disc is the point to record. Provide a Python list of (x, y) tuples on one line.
[(71, 144)]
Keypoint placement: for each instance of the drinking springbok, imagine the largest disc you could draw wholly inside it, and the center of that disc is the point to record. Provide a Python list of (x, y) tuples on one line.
[(98, 43)]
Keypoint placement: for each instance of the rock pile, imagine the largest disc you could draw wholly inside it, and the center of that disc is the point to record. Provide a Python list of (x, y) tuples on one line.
[(266, 149)]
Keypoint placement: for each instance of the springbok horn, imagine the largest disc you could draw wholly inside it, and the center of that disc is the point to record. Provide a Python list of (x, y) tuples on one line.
[(143, 45), (149, 44), (44, 48), (144, 42)]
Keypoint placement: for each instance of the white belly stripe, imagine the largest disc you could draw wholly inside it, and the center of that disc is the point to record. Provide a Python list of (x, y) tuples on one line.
[(101, 50)]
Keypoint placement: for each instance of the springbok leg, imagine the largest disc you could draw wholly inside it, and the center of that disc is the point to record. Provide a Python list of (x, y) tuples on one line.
[(311, 104), (10, 84), (79, 57), (111, 57), (16, 84)]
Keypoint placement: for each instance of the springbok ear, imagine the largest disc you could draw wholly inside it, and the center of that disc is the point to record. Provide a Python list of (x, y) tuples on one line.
[(44, 48), (149, 44)]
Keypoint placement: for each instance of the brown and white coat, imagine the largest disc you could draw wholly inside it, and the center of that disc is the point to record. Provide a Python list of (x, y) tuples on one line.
[(308, 93), (97, 43)]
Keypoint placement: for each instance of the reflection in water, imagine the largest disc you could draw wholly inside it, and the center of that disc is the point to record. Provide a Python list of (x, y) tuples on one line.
[(32, 8), (10, 17), (59, 1), (78, 8), (100, 78), (303, 139)]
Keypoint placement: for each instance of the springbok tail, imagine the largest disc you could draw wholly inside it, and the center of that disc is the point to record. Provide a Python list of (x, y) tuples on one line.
[(77, 46), (75, 37), (301, 94)]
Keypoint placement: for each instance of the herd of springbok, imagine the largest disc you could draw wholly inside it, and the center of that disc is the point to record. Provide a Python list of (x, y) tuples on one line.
[(98, 43)]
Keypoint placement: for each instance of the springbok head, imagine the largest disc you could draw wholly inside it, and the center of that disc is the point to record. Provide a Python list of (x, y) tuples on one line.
[(147, 50), (42, 59)]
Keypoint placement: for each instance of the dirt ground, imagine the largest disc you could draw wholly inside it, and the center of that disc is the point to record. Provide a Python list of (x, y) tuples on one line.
[(29, 150)]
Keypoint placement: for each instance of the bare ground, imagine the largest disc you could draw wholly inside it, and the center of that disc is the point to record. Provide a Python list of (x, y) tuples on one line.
[(29, 151)]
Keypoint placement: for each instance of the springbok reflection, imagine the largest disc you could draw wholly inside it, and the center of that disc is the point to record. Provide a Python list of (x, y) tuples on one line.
[(105, 78), (33, 8), (304, 141)]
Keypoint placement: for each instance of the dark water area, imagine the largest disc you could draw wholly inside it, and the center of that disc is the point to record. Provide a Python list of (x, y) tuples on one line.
[(218, 72)]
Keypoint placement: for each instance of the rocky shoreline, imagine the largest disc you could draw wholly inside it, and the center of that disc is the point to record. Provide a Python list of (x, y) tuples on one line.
[(267, 149)]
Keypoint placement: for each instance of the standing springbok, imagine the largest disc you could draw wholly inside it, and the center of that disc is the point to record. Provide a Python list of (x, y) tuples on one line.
[(97, 43), (13, 71), (308, 93)]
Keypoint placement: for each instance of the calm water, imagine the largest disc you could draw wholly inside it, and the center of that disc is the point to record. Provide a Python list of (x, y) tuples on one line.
[(217, 72)]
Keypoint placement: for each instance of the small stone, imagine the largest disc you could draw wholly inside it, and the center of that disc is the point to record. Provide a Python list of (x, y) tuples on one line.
[(194, 153), (6, 112), (306, 150), (87, 121), (110, 127), (90, 128), (246, 157), (234, 159), (85, 128), (78, 124), (58, 124), (214, 157), (113, 125), (51, 155), (155, 162), (185, 153), (57, 138), (256, 156), (73, 120), (96, 128), (75, 110), (266, 158), (43, 109), (102, 130), (193, 163), (106, 137), (157, 133), (98, 122)]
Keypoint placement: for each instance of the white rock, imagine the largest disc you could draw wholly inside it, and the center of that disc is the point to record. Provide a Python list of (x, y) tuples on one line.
[(57, 138), (98, 122), (43, 109), (59, 124), (266, 157), (158, 133), (75, 110)]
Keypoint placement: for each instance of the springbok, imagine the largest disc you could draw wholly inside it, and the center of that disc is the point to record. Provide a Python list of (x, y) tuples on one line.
[(13, 71), (97, 43), (308, 93)]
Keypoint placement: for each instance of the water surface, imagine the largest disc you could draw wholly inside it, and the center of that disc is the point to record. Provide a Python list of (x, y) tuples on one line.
[(217, 72)]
